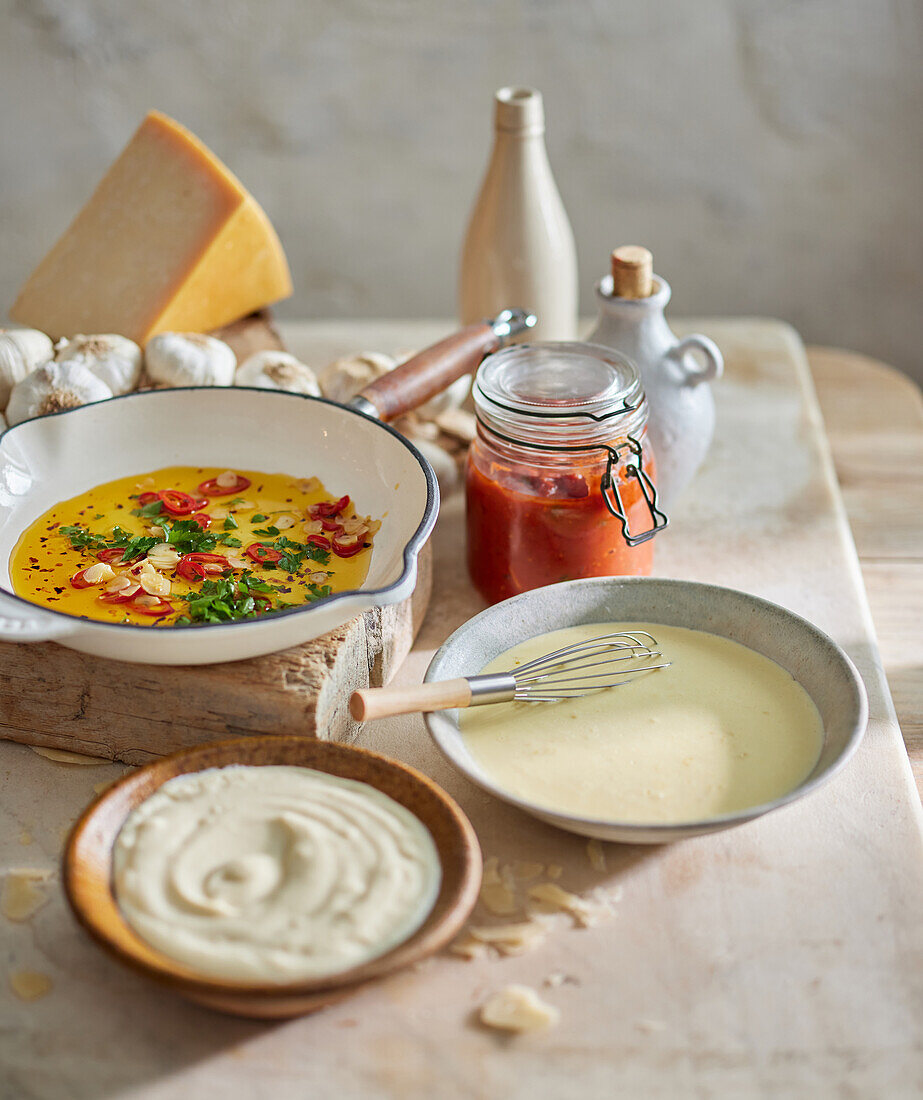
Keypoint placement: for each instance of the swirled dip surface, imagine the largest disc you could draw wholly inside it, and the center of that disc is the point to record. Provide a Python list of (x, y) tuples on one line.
[(274, 873)]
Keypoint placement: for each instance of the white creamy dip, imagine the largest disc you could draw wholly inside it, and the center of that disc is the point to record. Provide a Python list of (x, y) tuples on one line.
[(274, 873), (723, 728)]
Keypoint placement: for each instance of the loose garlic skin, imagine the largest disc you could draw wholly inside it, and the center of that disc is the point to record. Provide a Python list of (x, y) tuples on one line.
[(21, 351), (277, 370), (54, 387), (114, 359), (189, 359)]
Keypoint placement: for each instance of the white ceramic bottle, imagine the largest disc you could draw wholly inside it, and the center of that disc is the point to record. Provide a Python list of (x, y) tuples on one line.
[(519, 248), (682, 410)]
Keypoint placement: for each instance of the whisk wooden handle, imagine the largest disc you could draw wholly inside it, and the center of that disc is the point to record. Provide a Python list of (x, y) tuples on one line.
[(370, 703)]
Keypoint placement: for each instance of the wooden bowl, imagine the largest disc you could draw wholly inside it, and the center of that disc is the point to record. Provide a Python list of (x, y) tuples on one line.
[(87, 872)]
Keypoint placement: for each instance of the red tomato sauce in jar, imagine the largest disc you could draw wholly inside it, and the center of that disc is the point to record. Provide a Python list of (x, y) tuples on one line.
[(536, 510), (535, 530)]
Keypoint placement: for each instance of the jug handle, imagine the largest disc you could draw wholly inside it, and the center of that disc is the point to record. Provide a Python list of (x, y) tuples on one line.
[(713, 366)]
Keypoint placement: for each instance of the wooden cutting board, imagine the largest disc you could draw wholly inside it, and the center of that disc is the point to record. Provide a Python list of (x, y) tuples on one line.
[(58, 698)]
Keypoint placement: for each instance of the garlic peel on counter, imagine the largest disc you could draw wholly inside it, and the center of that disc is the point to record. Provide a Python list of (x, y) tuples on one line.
[(115, 360), (277, 370), (21, 351), (54, 387), (189, 359)]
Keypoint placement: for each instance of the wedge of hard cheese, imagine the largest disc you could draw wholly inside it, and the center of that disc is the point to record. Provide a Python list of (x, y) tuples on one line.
[(170, 240)]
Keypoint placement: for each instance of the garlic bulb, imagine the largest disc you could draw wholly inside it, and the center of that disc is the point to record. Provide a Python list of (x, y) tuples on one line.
[(114, 360), (189, 359), (53, 387), (345, 377), (277, 370), (21, 351)]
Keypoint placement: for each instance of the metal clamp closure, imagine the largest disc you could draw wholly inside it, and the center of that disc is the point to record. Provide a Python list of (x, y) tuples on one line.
[(612, 497)]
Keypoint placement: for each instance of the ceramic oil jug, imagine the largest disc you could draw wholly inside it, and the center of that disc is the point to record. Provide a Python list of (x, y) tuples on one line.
[(675, 372)]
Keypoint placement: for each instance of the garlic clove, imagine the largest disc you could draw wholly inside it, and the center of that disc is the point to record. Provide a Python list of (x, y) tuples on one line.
[(114, 359), (21, 351), (277, 370), (344, 378), (189, 359), (3, 424), (54, 387)]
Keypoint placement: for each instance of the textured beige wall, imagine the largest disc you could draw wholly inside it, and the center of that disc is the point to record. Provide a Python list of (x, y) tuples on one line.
[(769, 151)]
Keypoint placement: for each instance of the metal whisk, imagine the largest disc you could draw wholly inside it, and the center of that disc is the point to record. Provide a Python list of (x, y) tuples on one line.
[(606, 661)]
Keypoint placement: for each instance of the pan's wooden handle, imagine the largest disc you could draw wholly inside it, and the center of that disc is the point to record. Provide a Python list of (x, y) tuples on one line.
[(370, 703), (413, 383)]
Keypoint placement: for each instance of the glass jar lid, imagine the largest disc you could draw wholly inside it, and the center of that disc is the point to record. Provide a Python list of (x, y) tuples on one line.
[(560, 394)]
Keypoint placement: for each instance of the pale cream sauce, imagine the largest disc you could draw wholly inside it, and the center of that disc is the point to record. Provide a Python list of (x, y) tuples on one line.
[(274, 873), (722, 729)]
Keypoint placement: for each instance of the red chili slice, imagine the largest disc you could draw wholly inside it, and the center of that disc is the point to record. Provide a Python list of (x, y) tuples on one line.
[(164, 607), (78, 580), (148, 498), (123, 596), (203, 520), (264, 555), (345, 548), (318, 540), (196, 566), (211, 488), (179, 503), (328, 507), (109, 554), (331, 525)]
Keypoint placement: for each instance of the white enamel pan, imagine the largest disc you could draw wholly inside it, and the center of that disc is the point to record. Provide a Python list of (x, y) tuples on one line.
[(53, 458)]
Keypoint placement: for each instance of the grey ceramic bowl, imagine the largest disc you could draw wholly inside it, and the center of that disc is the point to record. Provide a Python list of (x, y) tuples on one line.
[(817, 662)]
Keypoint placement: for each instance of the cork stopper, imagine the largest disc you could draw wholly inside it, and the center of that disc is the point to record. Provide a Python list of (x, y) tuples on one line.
[(632, 272), (519, 110)]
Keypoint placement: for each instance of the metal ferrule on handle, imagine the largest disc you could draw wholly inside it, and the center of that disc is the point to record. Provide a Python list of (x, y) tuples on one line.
[(511, 322), (492, 687)]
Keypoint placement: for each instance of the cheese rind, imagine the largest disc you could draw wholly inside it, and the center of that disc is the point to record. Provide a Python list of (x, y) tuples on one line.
[(170, 240)]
